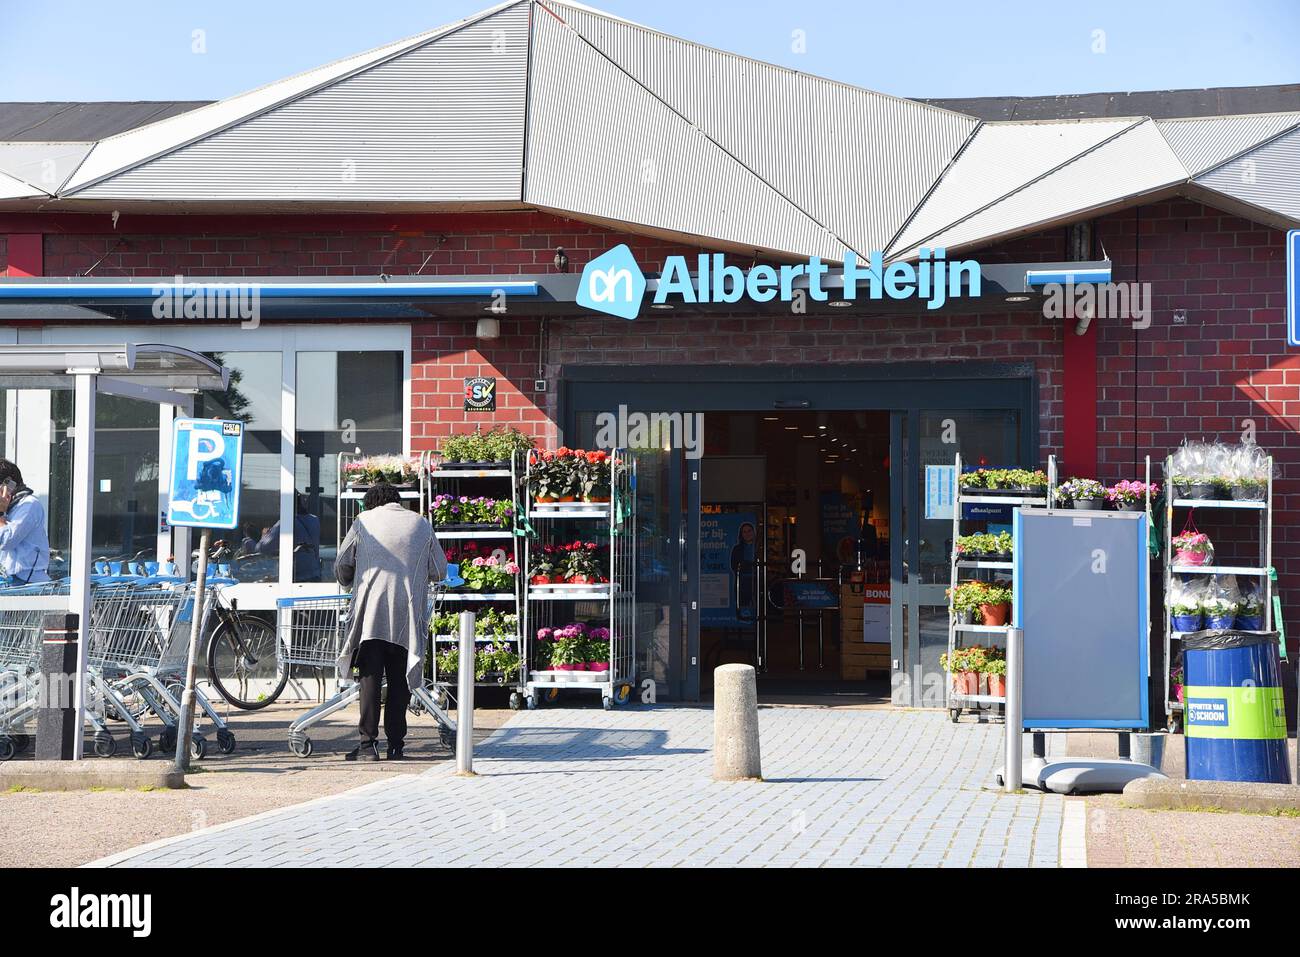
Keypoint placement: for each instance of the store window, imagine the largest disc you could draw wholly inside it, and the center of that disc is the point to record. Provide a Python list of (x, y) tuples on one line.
[(347, 402), (252, 397)]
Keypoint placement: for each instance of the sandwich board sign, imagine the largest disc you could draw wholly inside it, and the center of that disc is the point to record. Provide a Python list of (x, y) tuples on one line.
[(207, 456)]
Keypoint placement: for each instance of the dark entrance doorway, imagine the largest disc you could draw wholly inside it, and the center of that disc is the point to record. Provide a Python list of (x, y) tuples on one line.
[(933, 411), (794, 551)]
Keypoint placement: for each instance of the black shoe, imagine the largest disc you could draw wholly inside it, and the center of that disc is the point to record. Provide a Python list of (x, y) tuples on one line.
[(364, 752), (395, 753)]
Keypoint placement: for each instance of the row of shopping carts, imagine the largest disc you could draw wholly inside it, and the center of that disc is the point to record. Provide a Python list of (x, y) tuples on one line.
[(137, 649), (138, 646)]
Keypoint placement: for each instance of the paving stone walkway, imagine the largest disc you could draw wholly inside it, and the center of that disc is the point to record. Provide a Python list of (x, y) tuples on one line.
[(631, 787)]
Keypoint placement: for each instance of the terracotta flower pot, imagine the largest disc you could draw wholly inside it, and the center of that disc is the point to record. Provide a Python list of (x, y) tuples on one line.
[(997, 685), (596, 499), (540, 580), (568, 498), (547, 499), (995, 614), (966, 682)]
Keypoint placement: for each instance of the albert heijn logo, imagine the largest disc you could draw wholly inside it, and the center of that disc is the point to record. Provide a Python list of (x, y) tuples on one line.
[(613, 283)]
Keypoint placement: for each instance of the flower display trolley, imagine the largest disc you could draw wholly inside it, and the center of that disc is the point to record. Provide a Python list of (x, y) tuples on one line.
[(580, 608), (356, 473), (1202, 591), (981, 567), (475, 507)]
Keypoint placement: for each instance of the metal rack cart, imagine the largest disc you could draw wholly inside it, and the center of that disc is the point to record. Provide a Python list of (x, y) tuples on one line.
[(446, 478), (557, 604), (349, 499), (973, 569), (1262, 572)]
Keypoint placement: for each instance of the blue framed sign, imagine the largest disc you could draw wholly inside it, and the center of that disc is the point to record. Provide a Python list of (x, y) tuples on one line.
[(207, 459), (1080, 586), (1293, 287)]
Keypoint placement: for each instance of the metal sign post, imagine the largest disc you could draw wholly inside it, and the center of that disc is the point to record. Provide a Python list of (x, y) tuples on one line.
[(1012, 772), (465, 697), (207, 458)]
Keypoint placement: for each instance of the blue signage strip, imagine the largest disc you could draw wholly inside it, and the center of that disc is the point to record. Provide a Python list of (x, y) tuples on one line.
[(1293, 287), (296, 290), (207, 462)]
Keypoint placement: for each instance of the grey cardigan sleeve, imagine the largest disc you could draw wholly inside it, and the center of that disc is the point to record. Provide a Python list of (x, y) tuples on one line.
[(345, 562), (437, 560)]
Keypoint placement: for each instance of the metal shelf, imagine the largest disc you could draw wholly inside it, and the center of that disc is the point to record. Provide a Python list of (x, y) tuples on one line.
[(478, 596), (977, 698), (470, 473), (407, 495), (1004, 499), (1217, 570), (500, 533), (1217, 503), (979, 563), (983, 629)]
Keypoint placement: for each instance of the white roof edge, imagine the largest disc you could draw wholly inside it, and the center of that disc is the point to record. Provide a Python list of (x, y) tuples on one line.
[(895, 248), (11, 187), (190, 128), (1060, 120), (1229, 116)]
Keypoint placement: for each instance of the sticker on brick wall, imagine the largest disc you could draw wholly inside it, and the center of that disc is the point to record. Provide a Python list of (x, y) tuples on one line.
[(480, 394)]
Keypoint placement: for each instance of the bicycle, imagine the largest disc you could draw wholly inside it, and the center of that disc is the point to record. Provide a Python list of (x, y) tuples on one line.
[(242, 660)]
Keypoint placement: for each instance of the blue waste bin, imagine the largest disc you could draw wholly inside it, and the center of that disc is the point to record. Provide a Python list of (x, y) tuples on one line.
[(1234, 716)]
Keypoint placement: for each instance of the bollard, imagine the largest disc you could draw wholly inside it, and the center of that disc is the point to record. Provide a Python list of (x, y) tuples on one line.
[(56, 711), (1148, 748), (1013, 772), (735, 724), (465, 697)]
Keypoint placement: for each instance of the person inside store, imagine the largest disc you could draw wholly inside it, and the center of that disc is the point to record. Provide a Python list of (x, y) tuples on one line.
[(388, 558), (24, 542), (743, 569), (306, 541)]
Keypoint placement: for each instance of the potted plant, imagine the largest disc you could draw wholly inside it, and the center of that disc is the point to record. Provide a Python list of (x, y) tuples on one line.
[(479, 449), (1186, 616), (995, 608), (995, 676), (598, 649), (1219, 612), (581, 566), (1000, 546), (1249, 489), (568, 651), (964, 665), (553, 476), (1083, 493), (1176, 683), (544, 568), (369, 470), (1250, 612), (1130, 496), (965, 600), (448, 662), (1200, 487), (487, 573), (973, 480), (594, 476), (1192, 548)]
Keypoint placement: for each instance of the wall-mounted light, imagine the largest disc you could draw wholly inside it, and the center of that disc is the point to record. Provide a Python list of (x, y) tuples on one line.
[(561, 260), (489, 327)]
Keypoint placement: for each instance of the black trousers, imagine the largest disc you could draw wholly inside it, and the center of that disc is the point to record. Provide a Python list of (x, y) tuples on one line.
[(376, 661)]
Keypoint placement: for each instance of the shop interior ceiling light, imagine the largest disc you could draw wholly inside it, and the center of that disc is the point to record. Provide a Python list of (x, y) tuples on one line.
[(1018, 298)]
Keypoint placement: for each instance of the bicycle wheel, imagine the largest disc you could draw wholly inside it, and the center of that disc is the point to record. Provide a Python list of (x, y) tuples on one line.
[(242, 662)]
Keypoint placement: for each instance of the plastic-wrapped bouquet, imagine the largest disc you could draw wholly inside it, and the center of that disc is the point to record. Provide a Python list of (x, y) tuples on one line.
[(372, 469)]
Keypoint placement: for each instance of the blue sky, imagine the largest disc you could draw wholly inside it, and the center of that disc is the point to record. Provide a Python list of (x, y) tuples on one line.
[(94, 50)]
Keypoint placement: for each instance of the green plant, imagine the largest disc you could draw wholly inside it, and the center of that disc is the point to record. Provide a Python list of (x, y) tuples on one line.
[(370, 469), (498, 444), (964, 659), (1181, 608), (995, 666)]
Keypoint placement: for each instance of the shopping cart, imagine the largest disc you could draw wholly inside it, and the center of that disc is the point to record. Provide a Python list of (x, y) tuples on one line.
[(138, 649), (311, 633), (22, 615)]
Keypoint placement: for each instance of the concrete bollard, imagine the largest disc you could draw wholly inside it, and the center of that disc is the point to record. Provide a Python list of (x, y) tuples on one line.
[(735, 724)]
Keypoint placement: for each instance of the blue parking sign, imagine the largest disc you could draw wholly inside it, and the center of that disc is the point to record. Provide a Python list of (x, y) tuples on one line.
[(206, 464), (1293, 287)]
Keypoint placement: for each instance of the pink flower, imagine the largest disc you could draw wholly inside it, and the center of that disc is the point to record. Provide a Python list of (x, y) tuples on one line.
[(512, 568), (480, 562)]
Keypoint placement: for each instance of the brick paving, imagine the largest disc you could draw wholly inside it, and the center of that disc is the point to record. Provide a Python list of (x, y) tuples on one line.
[(631, 787)]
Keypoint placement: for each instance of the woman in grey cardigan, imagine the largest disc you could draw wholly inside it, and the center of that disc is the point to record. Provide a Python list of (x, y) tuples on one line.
[(388, 558)]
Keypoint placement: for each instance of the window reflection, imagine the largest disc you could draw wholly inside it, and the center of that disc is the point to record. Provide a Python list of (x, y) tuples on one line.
[(346, 401)]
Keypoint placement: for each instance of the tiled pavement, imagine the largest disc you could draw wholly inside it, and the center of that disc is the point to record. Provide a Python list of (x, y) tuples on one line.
[(631, 787)]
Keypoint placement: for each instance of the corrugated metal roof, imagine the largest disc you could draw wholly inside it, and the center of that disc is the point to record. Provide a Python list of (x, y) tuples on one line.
[(1002, 158), (46, 165), (1135, 162), (127, 150), (83, 122), (1202, 144), (1267, 177), (873, 156), (625, 155), (441, 122), (1158, 104)]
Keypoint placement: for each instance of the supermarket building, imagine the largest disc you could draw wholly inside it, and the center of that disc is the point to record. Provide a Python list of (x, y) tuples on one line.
[(421, 214)]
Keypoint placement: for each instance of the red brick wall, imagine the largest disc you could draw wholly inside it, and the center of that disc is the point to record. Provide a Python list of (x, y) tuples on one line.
[(4, 254)]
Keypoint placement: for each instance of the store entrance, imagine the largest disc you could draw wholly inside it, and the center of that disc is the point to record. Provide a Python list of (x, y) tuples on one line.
[(794, 552)]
